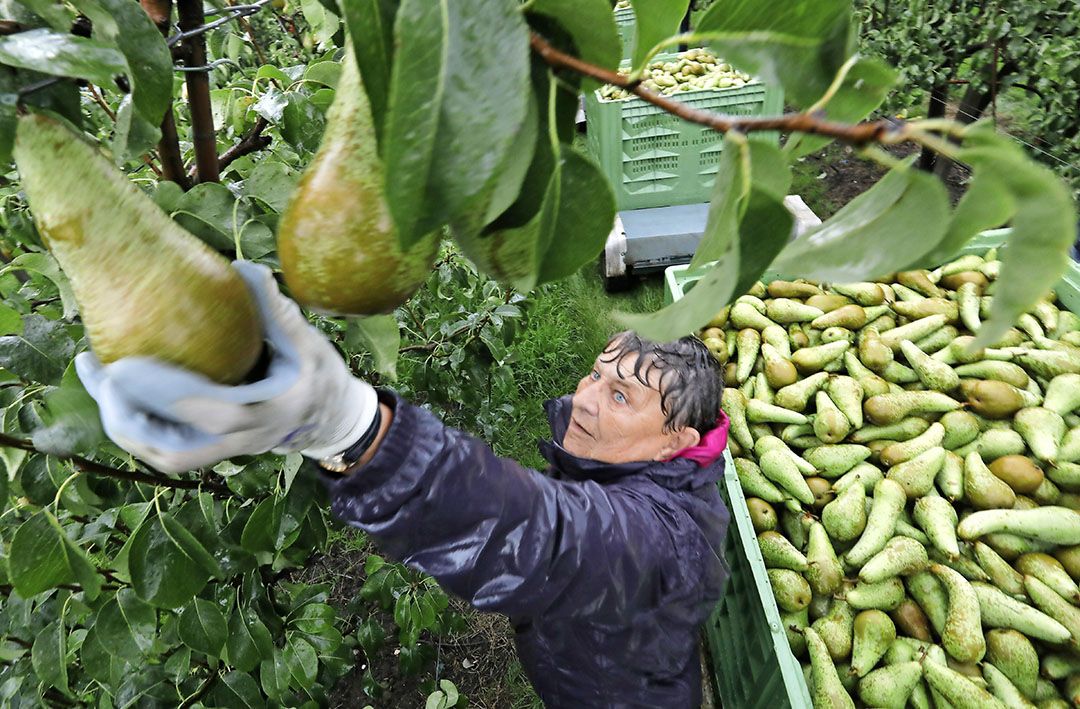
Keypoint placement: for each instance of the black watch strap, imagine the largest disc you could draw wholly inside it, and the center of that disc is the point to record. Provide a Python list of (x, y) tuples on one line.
[(341, 462)]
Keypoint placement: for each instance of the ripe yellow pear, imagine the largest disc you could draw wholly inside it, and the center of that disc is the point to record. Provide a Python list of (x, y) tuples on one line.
[(144, 285), (337, 241)]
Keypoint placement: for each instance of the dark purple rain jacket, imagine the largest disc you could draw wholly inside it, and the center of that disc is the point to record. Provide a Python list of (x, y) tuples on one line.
[(606, 571)]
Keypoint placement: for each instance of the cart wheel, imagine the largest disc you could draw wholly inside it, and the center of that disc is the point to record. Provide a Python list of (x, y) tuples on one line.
[(615, 284)]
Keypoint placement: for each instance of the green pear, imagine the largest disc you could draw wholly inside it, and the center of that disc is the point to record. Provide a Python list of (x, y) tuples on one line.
[(1063, 394), (920, 282), (961, 428), (864, 474), (914, 330), (1051, 572), (832, 461), (901, 451), (845, 517), (933, 374), (778, 369), (762, 515), (997, 370), (902, 430), (828, 692), (888, 502), (1069, 450), (937, 517), (992, 399), (950, 479), (824, 572), (851, 317), (759, 412), (145, 286), (779, 553), (872, 633), (916, 476), (828, 302), (962, 635), (762, 390), (847, 394), (836, 334), (1000, 572), (795, 397), (747, 345), (1019, 473), (871, 383), (734, 403), (785, 311), (885, 595), (781, 469), (337, 241), (792, 289), (1003, 688), (983, 489), (744, 315), (861, 293), (790, 589), (874, 353), (768, 443), (911, 621), (1048, 363), (902, 556), (830, 423), (967, 297), (1012, 654), (937, 341), (928, 592), (927, 307), (795, 625), (814, 359), (1059, 666), (890, 408), (1042, 430), (1053, 605), (754, 483), (957, 689), (890, 686)]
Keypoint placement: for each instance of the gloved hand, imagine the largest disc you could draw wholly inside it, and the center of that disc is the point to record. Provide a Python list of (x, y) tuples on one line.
[(177, 420)]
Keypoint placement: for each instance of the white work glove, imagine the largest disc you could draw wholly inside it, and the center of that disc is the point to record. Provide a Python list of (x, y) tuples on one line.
[(178, 420)]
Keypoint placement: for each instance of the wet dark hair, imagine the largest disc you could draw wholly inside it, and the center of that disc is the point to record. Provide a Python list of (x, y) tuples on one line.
[(690, 381)]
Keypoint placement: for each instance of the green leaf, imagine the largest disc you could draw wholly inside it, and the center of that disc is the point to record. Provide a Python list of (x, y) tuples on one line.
[(41, 353), (324, 23), (302, 661), (202, 627), (61, 54), (42, 557), (54, 12), (798, 44), (274, 676), (987, 203), (591, 25), (49, 656), (654, 21), (260, 531), (238, 690), (43, 263), (873, 234), (474, 57), (1043, 228), (379, 335), (178, 666), (207, 210), (149, 62), (127, 626), (249, 641), (9, 99), (370, 24), (864, 88), (10, 320), (747, 225), (74, 423), (325, 73), (161, 572)]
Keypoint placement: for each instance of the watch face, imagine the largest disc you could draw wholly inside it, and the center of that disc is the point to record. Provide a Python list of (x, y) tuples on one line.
[(335, 464)]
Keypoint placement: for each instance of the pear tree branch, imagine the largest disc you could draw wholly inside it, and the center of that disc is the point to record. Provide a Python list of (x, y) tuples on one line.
[(191, 18), (858, 134), (85, 465)]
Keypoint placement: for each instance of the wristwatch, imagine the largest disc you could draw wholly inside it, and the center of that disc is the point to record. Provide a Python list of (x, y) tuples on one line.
[(347, 458)]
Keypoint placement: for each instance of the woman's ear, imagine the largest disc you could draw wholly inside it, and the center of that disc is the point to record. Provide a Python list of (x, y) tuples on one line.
[(686, 437)]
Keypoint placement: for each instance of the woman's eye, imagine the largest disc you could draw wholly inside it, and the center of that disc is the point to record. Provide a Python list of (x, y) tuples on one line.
[(595, 375), (619, 397)]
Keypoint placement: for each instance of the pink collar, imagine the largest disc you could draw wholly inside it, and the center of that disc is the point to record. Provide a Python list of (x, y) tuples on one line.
[(710, 447)]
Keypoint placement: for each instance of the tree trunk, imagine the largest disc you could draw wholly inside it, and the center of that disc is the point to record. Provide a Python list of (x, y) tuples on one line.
[(198, 85), (172, 162), (939, 97)]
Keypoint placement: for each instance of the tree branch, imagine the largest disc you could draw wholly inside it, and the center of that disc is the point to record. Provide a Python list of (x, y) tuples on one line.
[(252, 141), (198, 85), (855, 134), (85, 465), (168, 148)]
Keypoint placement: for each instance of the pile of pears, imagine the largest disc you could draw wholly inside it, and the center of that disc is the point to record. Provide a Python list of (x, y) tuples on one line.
[(916, 501), (147, 287), (692, 70)]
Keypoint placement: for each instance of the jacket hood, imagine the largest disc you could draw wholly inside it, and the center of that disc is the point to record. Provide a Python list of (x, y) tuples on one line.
[(679, 473)]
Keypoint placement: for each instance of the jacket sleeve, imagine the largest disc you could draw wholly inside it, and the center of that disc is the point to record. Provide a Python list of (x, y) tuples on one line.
[(502, 536)]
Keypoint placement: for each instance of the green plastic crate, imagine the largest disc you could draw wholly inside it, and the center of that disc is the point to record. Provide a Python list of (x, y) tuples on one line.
[(753, 666), (655, 159), (624, 23)]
